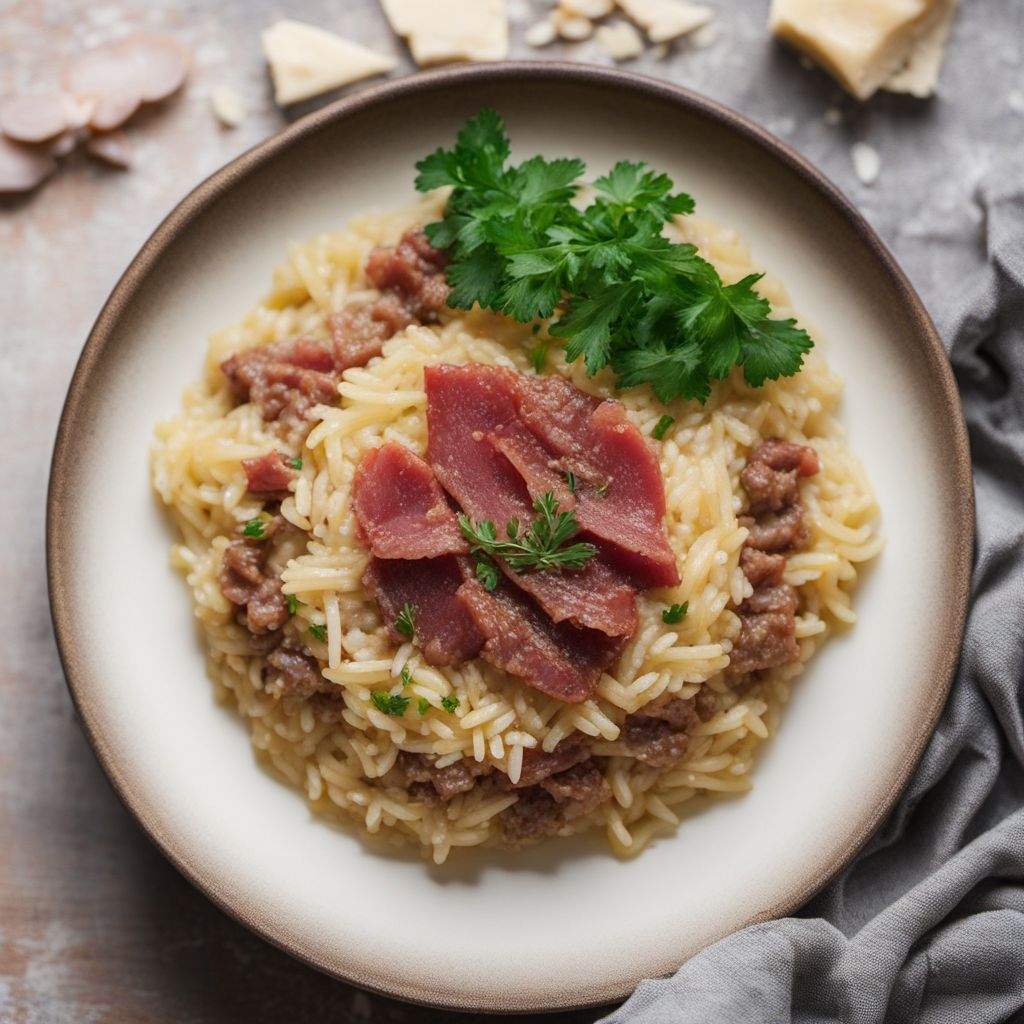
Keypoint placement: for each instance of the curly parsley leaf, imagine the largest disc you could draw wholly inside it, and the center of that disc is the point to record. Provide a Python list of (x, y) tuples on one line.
[(424, 705), (543, 545), (292, 603), (622, 293), (319, 632), (389, 704), (450, 703)]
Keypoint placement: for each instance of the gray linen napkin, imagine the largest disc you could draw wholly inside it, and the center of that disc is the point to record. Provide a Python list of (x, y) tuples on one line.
[(928, 923)]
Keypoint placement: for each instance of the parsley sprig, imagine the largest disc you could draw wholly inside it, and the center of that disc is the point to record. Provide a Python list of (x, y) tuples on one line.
[(544, 545), (624, 294)]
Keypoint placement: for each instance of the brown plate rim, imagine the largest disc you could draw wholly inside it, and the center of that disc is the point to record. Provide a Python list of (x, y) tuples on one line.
[(60, 561)]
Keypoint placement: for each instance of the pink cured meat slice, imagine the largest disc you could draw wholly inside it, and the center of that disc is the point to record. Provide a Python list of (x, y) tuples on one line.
[(401, 508), (445, 631), (464, 405), (620, 493), (559, 659)]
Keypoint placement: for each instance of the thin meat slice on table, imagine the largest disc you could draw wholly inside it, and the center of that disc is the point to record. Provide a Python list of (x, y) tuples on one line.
[(401, 509), (445, 631), (559, 659), (775, 518), (467, 404)]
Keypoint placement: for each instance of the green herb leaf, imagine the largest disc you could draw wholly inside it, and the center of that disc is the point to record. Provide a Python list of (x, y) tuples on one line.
[(405, 623), (318, 631), (450, 703), (295, 463), (539, 356), (255, 528), (543, 546), (424, 705), (661, 427), (486, 570), (570, 479), (407, 679), (624, 295), (388, 703), (670, 616), (602, 491), (292, 603)]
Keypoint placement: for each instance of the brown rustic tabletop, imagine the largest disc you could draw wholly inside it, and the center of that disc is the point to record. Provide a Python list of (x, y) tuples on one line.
[(95, 926)]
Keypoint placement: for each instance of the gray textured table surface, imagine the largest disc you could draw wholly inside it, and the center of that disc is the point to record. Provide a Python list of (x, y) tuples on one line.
[(94, 924)]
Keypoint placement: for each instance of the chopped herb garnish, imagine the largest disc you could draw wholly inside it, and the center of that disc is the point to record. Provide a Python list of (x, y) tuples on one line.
[(405, 623), (450, 703), (624, 294), (424, 705), (320, 632), (602, 491), (295, 463), (544, 545), (570, 479), (407, 679), (661, 427), (539, 356), (389, 703), (486, 570), (292, 603), (670, 616), (256, 528)]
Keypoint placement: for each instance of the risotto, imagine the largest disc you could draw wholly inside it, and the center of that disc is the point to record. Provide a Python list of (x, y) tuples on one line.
[(348, 702)]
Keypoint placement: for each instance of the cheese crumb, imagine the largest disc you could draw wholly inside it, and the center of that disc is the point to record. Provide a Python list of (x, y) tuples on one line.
[(866, 162), (306, 61), (575, 28), (592, 9), (866, 44), (620, 40), (664, 20), (540, 34), (446, 30), (227, 107)]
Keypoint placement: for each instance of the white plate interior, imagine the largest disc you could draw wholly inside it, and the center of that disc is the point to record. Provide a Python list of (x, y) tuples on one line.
[(568, 923)]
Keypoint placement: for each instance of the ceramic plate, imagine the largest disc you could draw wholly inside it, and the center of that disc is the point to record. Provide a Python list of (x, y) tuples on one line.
[(567, 924)]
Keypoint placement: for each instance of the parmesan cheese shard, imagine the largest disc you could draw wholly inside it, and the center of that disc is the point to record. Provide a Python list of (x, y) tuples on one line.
[(920, 75), (438, 31), (665, 20), (306, 61), (620, 40), (863, 45)]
